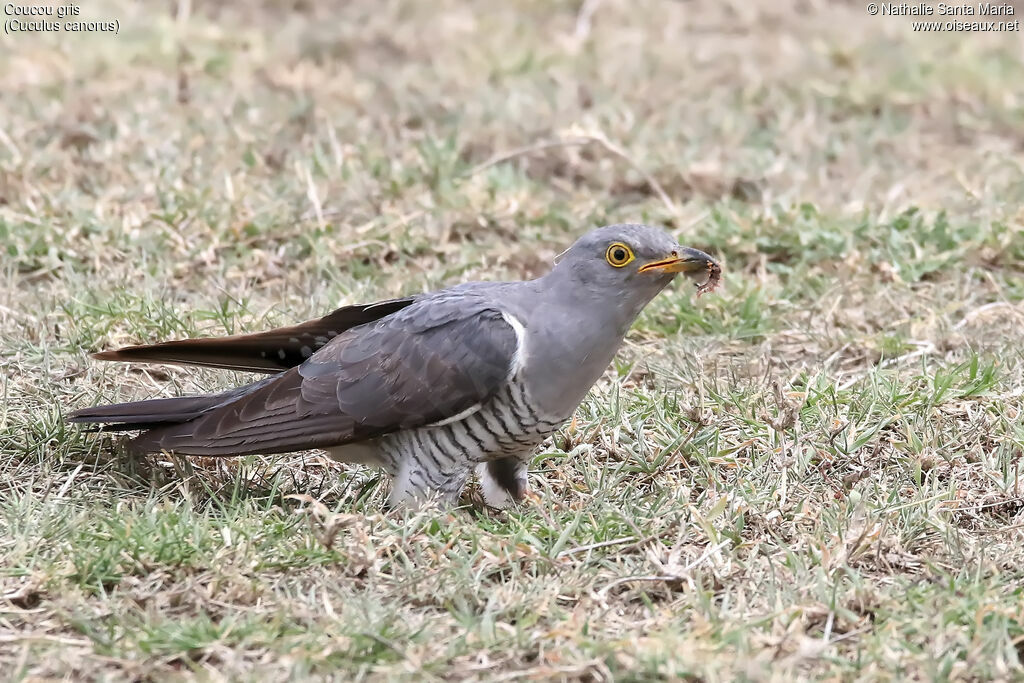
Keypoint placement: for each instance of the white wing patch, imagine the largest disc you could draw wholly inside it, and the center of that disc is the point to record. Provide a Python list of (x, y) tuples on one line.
[(519, 358), (456, 417)]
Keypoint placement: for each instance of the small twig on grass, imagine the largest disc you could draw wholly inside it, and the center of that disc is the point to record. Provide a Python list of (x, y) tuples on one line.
[(524, 151), (584, 20), (18, 317), (848, 635), (381, 640), (631, 540), (667, 578), (11, 147), (674, 578), (957, 508), (828, 627), (985, 309), (595, 546), (579, 141), (925, 348), (999, 530), (44, 638), (313, 195)]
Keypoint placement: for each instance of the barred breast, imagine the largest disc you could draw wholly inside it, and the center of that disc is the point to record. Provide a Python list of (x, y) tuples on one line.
[(440, 457)]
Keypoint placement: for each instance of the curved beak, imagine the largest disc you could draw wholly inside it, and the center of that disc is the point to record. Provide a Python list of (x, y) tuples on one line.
[(692, 262)]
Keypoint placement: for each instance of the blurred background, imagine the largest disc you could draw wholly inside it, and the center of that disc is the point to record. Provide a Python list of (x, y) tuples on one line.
[(832, 440)]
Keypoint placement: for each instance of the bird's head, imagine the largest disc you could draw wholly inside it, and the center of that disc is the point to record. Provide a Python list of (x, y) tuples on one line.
[(632, 263)]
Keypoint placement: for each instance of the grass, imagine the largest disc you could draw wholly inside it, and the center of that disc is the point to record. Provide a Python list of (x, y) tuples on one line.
[(812, 474)]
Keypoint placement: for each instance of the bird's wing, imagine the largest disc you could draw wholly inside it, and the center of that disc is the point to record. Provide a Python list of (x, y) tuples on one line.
[(427, 363), (270, 352)]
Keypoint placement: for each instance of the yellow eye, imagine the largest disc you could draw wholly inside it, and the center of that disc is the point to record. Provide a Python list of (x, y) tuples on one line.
[(618, 254)]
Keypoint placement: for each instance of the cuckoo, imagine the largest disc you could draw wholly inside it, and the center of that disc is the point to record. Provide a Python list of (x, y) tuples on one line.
[(432, 387)]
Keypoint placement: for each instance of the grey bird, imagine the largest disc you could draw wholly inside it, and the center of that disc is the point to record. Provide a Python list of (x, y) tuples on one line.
[(430, 387)]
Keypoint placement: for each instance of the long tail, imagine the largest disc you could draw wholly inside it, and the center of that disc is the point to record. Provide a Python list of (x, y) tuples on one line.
[(269, 352), (158, 412)]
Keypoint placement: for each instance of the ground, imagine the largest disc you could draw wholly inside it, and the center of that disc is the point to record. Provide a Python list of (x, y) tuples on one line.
[(813, 473)]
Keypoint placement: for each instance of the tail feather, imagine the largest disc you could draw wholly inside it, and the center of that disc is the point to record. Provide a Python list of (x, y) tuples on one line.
[(268, 352), (147, 414), (144, 414), (158, 412)]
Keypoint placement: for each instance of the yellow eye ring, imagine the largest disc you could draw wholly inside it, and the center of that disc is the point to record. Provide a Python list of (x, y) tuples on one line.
[(618, 254)]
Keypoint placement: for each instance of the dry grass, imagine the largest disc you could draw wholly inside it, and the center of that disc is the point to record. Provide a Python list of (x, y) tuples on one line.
[(814, 474)]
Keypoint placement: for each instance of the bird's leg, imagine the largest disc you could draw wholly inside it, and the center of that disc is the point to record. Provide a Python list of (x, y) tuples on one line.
[(503, 481), (410, 486)]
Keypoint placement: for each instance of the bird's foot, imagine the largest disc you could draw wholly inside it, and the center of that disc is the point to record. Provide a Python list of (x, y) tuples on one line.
[(503, 483)]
